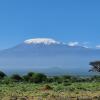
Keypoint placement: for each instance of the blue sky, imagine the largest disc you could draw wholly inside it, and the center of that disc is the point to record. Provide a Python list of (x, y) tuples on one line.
[(64, 20)]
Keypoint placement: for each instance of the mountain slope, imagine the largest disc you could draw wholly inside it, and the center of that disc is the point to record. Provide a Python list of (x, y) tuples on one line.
[(48, 56)]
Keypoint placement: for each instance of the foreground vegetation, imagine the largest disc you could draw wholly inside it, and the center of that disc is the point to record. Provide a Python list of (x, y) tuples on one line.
[(50, 91), (37, 86)]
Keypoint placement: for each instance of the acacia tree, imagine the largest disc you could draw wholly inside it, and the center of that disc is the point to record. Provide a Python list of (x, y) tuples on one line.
[(95, 66)]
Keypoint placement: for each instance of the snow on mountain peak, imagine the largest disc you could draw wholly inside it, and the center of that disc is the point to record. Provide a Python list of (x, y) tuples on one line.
[(46, 41)]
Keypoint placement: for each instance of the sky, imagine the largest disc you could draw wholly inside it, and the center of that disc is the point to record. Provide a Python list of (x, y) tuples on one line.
[(63, 20)]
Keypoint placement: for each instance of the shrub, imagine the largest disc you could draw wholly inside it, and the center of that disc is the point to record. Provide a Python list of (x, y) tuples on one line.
[(38, 78), (66, 83), (57, 79), (47, 87), (2, 75), (16, 77), (49, 80), (6, 80), (25, 78), (30, 74), (95, 78), (35, 77)]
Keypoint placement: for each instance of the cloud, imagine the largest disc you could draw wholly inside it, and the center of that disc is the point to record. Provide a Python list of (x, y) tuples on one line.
[(98, 46), (73, 44), (85, 44)]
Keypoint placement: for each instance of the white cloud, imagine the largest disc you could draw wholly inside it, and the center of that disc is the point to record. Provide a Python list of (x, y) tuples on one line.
[(85, 44), (73, 44), (98, 46)]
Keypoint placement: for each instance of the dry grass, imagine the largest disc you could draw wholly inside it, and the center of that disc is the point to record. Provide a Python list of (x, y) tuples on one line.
[(76, 91)]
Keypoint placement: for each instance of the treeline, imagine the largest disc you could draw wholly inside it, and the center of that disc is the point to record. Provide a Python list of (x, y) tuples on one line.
[(32, 77)]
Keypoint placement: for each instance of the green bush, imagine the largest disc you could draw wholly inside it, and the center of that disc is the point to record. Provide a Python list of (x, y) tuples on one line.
[(16, 78), (35, 77), (67, 83), (38, 78), (2, 75), (7, 80)]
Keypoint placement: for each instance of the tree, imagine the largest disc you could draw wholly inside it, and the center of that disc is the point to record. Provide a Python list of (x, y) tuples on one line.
[(2, 75), (38, 78), (30, 74), (95, 66), (16, 77), (28, 77), (35, 77)]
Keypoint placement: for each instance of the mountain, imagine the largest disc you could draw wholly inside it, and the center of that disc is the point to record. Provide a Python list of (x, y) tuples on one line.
[(48, 56)]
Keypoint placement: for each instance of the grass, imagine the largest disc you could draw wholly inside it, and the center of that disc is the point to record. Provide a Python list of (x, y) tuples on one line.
[(31, 91)]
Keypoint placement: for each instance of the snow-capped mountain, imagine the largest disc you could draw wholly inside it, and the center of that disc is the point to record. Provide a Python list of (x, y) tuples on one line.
[(46, 41), (48, 56)]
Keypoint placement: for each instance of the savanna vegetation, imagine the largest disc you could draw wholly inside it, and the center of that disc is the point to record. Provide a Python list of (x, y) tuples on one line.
[(38, 86)]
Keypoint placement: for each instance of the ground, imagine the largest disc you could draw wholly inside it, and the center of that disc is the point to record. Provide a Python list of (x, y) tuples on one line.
[(50, 91)]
